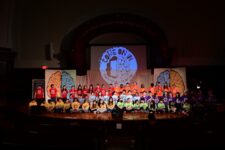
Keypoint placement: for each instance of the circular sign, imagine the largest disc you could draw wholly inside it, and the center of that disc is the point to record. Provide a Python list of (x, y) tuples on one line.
[(117, 65)]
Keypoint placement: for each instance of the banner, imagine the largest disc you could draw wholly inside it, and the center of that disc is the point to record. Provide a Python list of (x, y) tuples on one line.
[(171, 76), (59, 78)]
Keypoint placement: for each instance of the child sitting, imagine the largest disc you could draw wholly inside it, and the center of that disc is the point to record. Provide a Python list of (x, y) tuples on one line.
[(172, 108), (101, 106), (45, 104), (85, 106), (136, 106), (161, 108), (128, 105), (120, 104), (33, 102), (152, 106), (67, 106), (143, 105), (59, 105), (110, 104), (94, 106), (51, 106), (76, 105)]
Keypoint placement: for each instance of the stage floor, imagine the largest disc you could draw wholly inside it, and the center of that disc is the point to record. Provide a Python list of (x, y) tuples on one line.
[(132, 116)]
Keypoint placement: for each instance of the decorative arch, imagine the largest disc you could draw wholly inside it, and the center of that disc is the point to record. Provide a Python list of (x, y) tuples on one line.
[(74, 49)]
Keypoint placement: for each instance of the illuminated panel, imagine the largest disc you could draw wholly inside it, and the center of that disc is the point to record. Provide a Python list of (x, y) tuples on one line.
[(117, 65)]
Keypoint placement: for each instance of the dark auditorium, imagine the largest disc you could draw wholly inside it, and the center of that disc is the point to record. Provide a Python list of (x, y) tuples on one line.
[(112, 75)]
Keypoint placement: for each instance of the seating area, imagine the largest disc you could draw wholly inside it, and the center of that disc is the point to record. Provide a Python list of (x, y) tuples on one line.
[(38, 131)]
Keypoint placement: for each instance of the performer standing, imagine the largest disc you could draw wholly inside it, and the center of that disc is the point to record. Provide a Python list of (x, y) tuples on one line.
[(152, 89), (64, 93), (39, 95), (116, 89), (134, 88), (97, 89), (73, 91), (79, 90), (91, 88), (111, 89), (53, 92), (159, 90), (142, 89), (85, 91), (103, 90), (174, 90)]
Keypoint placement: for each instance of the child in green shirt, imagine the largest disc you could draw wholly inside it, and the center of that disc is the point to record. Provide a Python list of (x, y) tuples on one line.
[(128, 105), (143, 105), (120, 104), (136, 106), (161, 108)]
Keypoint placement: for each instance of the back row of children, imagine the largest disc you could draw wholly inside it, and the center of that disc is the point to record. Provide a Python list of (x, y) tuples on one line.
[(124, 91)]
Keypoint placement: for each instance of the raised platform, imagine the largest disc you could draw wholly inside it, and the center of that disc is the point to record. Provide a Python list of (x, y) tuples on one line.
[(131, 116)]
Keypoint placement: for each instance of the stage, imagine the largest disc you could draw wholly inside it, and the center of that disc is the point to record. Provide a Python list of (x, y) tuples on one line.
[(127, 116)]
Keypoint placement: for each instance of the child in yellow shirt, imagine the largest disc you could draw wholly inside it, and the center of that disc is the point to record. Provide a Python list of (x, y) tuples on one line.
[(59, 105), (85, 106), (75, 105), (94, 106), (102, 106), (67, 106), (110, 105), (33, 102), (51, 106)]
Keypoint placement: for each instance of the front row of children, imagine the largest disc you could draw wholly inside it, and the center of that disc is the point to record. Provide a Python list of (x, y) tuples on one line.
[(101, 106)]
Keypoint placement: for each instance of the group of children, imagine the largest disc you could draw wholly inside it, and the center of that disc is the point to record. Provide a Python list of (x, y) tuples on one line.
[(129, 98), (110, 105)]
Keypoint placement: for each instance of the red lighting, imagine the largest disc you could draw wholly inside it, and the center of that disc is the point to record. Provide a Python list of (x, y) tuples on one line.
[(44, 67)]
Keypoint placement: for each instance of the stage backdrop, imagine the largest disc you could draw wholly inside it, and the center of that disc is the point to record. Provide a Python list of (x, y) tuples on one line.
[(171, 76), (59, 78), (119, 64)]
